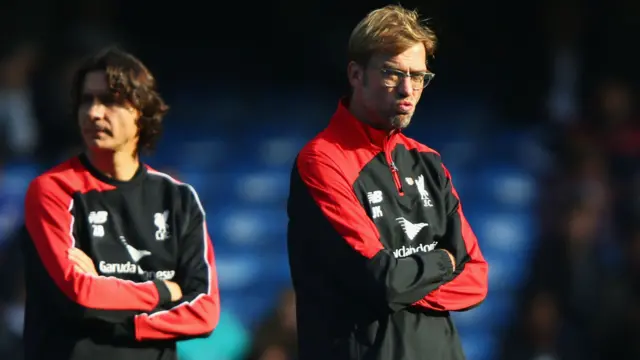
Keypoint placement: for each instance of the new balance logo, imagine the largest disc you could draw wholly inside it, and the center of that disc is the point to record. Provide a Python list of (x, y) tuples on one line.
[(374, 197), (411, 230), (97, 219)]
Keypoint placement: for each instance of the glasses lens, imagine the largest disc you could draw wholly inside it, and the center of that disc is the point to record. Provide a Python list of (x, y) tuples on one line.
[(390, 78), (427, 79)]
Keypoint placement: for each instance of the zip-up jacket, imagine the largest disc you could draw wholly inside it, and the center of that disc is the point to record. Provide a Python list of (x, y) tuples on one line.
[(370, 213), (138, 234)]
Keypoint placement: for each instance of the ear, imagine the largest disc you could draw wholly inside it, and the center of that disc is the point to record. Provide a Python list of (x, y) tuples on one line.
[(355, 73)]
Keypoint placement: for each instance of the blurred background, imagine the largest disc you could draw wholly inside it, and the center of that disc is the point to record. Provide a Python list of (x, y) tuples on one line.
[(533, 110)]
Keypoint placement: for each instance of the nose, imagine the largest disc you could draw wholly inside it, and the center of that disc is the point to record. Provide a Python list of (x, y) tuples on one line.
[(96, 111), (405, 88)]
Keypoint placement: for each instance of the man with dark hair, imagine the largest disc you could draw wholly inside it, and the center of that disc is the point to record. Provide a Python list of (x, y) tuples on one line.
[(120, 264), (379, 249)]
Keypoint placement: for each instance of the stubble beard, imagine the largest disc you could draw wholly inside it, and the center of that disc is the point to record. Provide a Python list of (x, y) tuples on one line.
[(400, 122)]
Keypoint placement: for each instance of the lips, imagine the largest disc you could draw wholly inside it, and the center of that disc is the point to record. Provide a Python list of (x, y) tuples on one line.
[(97, 131), (405, 106)]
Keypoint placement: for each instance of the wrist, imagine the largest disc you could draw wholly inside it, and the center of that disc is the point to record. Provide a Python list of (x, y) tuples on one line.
[(445, 260), (164, 294)]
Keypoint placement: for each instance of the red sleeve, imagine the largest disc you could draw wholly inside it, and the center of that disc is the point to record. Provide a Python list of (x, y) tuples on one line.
[(332, 192), (198, 311), (470, 285), (49, 220)]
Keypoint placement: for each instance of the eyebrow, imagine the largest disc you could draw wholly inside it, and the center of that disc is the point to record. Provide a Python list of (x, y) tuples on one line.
[(392, 67)]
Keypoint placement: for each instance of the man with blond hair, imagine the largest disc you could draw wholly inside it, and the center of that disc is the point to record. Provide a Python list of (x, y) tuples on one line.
[(379, 249)]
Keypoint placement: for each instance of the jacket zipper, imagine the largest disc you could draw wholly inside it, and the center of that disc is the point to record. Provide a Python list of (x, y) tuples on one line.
[(392, 166)]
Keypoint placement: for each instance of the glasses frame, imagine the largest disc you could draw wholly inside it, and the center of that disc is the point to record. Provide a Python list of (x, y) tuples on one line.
[(426, 76)]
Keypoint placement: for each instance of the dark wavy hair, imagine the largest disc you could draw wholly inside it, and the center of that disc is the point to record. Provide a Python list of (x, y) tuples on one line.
[(131, 82)]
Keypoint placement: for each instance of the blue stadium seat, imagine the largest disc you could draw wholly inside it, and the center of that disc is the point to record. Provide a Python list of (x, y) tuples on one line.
[(276, 268), (202, 182), (247, 226), (486, 315), (193, 154), (460, 179), (279, 152), (480, 345), (248, 308), (11, 217), (521, 148), (267, 247), (275, 147), (262, 187), (238, 272), (16, 177), (508, 187), (436, 137), (512, 234), (462, 152), (506, 273)]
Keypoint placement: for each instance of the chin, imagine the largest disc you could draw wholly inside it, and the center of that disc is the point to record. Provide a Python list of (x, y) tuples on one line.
[(401, 121), (98, 145)]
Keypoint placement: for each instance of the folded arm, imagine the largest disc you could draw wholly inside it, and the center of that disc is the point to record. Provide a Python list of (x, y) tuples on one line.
[(469, 284), (349, 242), (197, 313), (49, 221)]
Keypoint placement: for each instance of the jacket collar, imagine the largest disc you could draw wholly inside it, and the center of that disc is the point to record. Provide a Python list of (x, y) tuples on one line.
[(343, 121)]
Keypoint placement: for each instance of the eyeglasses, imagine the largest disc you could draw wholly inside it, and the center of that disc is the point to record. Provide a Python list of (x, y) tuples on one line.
[(394, 77)]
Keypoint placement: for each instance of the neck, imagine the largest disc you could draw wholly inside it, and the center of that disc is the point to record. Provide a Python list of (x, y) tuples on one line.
[(361, 113), (119, 165)]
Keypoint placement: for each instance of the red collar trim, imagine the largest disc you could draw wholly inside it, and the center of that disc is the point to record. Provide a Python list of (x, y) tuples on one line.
[(345, 122)]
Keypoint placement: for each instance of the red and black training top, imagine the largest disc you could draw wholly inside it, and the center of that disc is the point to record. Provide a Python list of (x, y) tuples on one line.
[(138, 233), (369, 213)]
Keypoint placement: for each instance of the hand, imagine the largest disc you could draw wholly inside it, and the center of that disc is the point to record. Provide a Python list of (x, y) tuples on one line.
[(453, 260), (82, 262), (174, 289)]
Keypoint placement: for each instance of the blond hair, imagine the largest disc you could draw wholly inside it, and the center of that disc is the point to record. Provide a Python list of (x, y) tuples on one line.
[(389, 30)]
